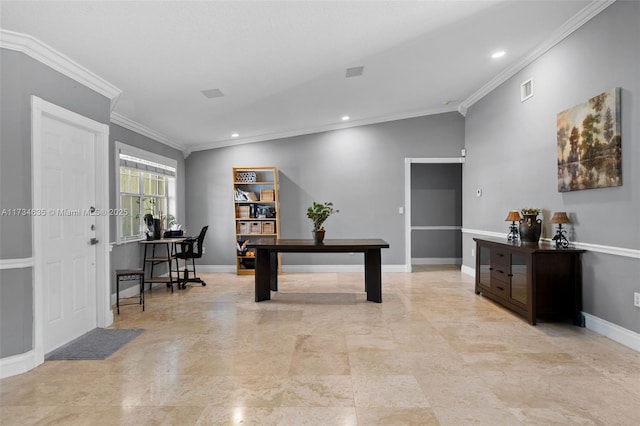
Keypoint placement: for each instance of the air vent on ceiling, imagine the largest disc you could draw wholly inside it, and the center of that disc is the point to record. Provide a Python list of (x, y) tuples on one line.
[(354, 72), (213, 93), (526, 90)]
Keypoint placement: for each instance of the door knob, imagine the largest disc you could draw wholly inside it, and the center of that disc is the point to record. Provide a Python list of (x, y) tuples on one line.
[(93, 241)]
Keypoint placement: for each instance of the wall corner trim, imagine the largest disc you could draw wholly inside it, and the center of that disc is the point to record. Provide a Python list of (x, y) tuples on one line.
[(614, 332), (578, 20), (127, 123), (27, 262), (18, 364), (597, 248), (50, 57)]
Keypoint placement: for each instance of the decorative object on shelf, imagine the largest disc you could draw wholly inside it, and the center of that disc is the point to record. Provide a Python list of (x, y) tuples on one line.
[(513, 217), (589, 144), (318, 213), (560, 238), (245, 176), (530, 225)]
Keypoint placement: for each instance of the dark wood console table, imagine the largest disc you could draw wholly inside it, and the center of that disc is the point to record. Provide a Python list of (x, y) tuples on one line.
[(266, 278), (531, 279)]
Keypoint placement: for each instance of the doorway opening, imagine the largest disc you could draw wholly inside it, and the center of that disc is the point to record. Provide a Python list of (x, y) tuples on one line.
[(433, 216)]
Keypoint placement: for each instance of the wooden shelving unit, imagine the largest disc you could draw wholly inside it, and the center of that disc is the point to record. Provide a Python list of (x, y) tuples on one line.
[(257, 210)]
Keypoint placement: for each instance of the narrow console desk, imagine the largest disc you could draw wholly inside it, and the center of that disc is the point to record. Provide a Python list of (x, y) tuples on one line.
[(266, 278), (164, 256)]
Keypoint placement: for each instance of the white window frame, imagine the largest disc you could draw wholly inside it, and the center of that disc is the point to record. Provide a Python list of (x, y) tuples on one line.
[(172, 202)]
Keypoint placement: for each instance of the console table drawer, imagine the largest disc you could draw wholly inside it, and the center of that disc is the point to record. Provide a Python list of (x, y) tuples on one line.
[(500, 257), (500, 288), (500, 272)]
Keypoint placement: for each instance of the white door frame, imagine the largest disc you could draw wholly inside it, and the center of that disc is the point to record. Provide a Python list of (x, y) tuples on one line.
[(407, 198), (104, 314)]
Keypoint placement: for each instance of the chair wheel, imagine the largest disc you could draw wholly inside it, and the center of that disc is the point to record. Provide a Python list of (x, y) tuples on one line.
[(204, 284)]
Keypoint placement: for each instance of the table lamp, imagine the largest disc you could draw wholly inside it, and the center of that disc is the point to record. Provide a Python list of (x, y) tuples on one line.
[(513, 216), (560, 218)]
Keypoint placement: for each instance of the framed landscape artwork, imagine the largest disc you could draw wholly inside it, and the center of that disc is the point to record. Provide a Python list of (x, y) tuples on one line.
[(589, 144)]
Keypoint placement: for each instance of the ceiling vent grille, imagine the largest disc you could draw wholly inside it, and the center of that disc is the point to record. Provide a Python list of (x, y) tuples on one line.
[(526, 90), (212, 93), (354, 72)]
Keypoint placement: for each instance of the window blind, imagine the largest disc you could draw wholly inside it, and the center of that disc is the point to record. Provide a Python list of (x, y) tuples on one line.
[(131, 162)]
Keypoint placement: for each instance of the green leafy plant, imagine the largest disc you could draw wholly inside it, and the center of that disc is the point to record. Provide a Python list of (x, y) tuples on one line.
[(318, 213), (171, 220)]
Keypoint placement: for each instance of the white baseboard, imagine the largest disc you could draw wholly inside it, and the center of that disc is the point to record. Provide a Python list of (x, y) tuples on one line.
[(17, 364), (468, 270), (612, 331), (133, 291), (216, 268), (436, 260)]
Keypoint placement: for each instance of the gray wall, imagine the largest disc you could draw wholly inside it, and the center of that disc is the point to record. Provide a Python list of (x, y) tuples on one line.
[(129, 255), (511, 156), (436, 200), (361, 170), (20, 78)]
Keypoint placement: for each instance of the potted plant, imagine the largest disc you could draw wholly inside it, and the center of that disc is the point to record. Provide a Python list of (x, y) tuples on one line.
[(318, 213)]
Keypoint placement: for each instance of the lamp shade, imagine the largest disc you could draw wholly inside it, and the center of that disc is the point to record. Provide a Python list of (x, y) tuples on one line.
[(560, 217), (513, 216)]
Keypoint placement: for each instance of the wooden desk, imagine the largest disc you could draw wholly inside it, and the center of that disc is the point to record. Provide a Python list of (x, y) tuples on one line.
[(154, 259), (266, 278)]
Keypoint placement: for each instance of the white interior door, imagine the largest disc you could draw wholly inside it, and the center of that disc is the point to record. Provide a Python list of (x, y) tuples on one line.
[(68, 183)]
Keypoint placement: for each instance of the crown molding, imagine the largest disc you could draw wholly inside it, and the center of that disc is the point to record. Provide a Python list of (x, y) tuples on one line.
[(319, 129), (50, 57), (577, 21), (134, 126)]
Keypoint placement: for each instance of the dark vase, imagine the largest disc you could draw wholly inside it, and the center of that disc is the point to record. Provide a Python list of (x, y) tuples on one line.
[(318, 236), (530, 228)]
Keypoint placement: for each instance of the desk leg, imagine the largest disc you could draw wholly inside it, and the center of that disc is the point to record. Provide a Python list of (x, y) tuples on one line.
[(273, 267), (263, 275), (373, 275)]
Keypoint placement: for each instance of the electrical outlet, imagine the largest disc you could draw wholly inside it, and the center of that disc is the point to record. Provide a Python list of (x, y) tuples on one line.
[(473, 252), (636, 299)]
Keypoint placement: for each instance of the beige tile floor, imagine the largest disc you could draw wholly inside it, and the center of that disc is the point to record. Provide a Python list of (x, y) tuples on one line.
[(432, 353)]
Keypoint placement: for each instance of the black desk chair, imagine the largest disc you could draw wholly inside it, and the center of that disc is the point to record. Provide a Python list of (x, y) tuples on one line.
[(191, 248)]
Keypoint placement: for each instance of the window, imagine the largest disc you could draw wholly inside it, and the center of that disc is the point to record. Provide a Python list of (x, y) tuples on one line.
[(146, 184)]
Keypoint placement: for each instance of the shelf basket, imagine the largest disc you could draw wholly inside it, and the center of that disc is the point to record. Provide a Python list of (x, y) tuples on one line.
[(269, 227), (255, 228), (243, 212), (267, 195), (245, 176)]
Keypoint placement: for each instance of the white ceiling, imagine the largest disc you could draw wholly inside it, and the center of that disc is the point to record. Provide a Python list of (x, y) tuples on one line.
[(281, 64)]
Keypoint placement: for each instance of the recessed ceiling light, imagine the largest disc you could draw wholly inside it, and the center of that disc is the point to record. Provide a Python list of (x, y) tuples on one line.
[(499, 54), (345, 118), (235, 135)]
